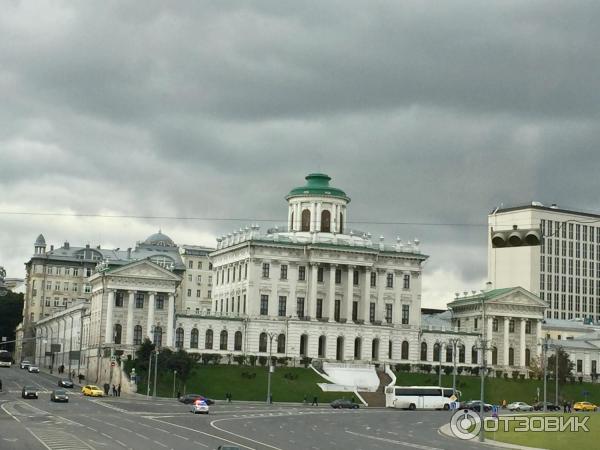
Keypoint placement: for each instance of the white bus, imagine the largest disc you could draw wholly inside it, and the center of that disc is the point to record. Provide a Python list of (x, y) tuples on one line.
[(419, 397), (5, 358)]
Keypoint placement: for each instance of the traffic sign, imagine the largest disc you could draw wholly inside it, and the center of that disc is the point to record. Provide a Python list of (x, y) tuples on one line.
[(113, 364)]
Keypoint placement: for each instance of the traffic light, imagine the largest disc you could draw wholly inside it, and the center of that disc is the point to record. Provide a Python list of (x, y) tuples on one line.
[(525, 237)]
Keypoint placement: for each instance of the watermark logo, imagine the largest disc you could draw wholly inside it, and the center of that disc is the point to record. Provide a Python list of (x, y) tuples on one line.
[(466, 424)]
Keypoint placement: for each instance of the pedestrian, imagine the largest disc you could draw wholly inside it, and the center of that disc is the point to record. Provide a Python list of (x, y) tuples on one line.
[(229, 397), (178, 394), (315, 401), (106, 388), (504, 404), (114, 390), (564, 406), (119, 390), (568, 407)]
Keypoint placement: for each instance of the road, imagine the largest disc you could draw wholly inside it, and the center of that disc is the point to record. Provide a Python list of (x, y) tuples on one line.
[(136, 423)]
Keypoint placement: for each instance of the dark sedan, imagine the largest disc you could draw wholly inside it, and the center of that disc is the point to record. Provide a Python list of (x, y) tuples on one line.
[(475, 405), (344, 403), (59, 395), (191, 398), (29, 392), (539, 406), (65, 383)]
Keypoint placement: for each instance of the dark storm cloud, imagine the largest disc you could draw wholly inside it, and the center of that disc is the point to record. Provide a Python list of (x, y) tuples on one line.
[(422, 112)]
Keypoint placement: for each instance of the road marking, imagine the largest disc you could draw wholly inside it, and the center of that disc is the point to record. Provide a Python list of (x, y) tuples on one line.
[(142, 436), (200, 443), (59, 440), (392, 441), (161, 444), (10, 439), (212, 424), (182, 437)]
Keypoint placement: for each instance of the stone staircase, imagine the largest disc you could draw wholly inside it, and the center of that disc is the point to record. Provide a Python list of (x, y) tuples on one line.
[(377, 399)]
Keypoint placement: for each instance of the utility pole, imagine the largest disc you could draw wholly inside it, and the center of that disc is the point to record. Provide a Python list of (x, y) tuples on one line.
[(544, 350), (440, 346), (454, 342), (271, 336), (149, 374), (556, 374), (483, 368), (174, 375), (155, 371)]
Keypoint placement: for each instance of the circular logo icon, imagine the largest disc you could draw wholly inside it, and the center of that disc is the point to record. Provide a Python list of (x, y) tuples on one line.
[(465, 424)]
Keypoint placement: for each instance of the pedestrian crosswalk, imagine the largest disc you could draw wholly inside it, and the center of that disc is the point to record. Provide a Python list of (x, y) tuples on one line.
[(54, 439)]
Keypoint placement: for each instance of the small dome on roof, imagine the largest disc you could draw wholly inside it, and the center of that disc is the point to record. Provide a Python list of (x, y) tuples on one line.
[(317, 184), (40, 241), (160, 239)]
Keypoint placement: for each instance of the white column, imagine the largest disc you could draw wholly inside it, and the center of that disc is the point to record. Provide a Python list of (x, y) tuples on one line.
[(334, 220), (366, 296), (171, 320), (150, 322), (587, 367), (313, 214), (349, 293), (290, 215), (331, 294), (298, 217), (311, 300), (129, 335), (318, 218), (538, 337), (108, 333), (489, 332), (505, 340), (522, 343)]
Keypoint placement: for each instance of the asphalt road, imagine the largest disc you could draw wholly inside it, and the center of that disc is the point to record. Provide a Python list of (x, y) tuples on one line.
[(137, 423)]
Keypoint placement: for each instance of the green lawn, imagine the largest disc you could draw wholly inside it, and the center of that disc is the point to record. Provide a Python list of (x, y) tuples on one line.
[(498, 389), (558, 440), (214, 381)]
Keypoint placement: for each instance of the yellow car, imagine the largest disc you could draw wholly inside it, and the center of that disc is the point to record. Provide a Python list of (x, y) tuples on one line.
[(584, 406), (92, 391)]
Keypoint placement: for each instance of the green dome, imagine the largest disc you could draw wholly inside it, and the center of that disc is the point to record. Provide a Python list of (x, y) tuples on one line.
[(317, 184)]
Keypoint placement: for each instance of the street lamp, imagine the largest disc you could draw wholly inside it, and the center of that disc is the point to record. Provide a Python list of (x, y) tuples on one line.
[(440, 345), (174, 376), (454, 343), (271, 336)]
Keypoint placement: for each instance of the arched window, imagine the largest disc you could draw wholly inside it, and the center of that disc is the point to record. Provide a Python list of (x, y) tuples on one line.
[(528, 357), (262, 342), (511, 356), (357, 348), (436, 352), (448, 353), (117, 333), (137, 335), (494, 356), (281, 343), (339, 348), (404, 350), (223, 340), (473, 355), (303, 344), (208, 340), (237, 341), (158, 336), (423, 351), (461, 354), (326, 221), (375, 350), (194, 338), (341, 223), (305, 226), (322, 343), (179, 338)]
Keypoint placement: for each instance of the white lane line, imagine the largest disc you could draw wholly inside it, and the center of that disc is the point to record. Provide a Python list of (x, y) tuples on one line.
[(392, 441), (120, 443), (202, 432), (7, 412), (212, 424), (200, 443), (161, 444), (142, 436), (182, 437)]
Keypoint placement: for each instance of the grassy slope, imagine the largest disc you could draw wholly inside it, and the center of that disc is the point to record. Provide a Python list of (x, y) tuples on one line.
[(215, 381), (554, 440), (497, 389)]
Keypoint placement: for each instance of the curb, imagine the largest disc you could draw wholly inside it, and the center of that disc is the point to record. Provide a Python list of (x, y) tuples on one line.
[(445, 430)]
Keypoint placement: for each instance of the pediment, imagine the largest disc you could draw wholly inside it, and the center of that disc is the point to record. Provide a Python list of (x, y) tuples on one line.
[(144, 269), (518, 296)]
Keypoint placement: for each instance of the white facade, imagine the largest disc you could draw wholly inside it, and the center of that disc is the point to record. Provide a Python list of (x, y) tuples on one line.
[(564, 270), (196, 285)]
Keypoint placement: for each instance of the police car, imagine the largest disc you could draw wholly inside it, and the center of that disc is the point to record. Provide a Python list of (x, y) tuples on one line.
[(200, 407)]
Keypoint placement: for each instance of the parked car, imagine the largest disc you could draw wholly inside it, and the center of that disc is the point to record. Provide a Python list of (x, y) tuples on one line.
[(25, 364), (475, 405), (584, 406), (191, 398), (539, 406), (200, 407), (29, 392), (519, 406), (59, 395), (92, 391), (33, 369), (63, 382), (344, 403)]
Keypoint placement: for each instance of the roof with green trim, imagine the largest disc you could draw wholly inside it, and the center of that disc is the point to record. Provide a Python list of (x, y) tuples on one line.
[(317, 184), (486, 295)]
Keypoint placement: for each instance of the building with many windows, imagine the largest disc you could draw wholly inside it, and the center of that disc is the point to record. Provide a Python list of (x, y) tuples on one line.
[(564, 270), (196, 285)]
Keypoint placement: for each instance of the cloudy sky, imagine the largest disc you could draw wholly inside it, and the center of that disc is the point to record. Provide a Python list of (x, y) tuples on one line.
[(424, 112)]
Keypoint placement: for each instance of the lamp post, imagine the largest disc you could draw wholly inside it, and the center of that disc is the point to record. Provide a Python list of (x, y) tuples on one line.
[(155, 371), (440, 346), (174, 376), (454, 343), (271, 336), (483, 368), (544, 362), (149, 373)]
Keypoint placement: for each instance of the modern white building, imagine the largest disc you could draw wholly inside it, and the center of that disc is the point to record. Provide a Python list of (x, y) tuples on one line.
[(564, 270), (196, 285)]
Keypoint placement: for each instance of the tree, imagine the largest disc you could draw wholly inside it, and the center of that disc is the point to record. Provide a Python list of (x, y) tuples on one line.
[(565, 365), (536, 369), (143, 353), (11, 314)]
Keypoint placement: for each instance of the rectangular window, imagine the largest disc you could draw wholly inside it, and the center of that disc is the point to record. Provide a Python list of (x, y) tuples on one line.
[(300, 306), (198, 292), (389, 280), (579, 365), (319, 308), (198, 279), (528, 327), (282, 306), (570, 249), (265, 270), (139, 300), (232, 274), (405, 313), (87, 288), (264, 305), (388, 313), (476, 323), (283, 272), (577, 232), (239, 272), (49, 285), (373, 279), (189, 292), (245, 271), (320, 275), (406, 284), (511, 327), (355, 278), (199, 265), (244, 297), (336, 310), (354, 311), (338, 276), (228, 274), (495, 325), (372, 312), (49, 270), (190, 264), (301, 273)]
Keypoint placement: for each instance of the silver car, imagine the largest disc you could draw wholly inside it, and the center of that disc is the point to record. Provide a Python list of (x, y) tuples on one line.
[(519, 406), (33, 369)]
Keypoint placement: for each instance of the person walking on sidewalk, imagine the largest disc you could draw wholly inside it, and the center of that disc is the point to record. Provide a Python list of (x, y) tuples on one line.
[(119, 390)]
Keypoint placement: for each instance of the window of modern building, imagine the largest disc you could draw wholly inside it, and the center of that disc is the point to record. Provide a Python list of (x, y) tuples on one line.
[(264, 305)]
